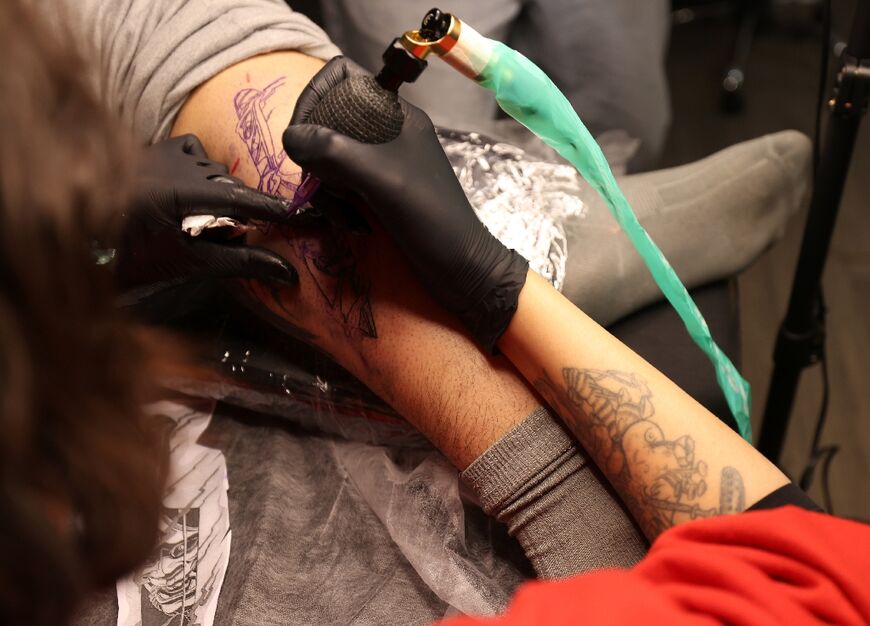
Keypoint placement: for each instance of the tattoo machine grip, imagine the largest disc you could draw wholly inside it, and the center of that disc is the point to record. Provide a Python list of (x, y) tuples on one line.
[(367, 109)]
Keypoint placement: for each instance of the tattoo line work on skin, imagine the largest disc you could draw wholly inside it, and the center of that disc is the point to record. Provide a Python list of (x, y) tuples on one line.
[(660, 479), (273, 167), (345, 289), (327, 257)]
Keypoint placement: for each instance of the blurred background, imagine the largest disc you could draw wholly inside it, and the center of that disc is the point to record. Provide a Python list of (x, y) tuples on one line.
[(737, 70), (780, 91)]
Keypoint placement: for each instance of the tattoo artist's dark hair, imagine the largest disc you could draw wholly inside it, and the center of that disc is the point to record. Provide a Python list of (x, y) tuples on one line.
[(80, 471)]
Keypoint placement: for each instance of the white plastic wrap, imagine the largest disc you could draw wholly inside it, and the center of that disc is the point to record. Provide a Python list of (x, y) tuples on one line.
[(419, 504)]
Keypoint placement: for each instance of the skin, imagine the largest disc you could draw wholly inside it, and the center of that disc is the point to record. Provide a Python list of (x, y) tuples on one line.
[(420, 361), (669, 458)]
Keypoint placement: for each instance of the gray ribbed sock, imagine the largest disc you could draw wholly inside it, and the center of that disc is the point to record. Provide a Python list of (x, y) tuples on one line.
[(711, 219), (558, 505)]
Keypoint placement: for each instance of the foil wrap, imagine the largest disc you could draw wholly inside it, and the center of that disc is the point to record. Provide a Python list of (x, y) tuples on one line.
[(522, 200)]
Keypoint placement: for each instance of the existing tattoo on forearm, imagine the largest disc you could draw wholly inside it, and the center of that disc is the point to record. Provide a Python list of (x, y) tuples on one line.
[(660, 478)]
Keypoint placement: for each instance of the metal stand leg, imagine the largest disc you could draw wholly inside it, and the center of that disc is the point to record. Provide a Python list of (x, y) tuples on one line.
[(802, 332), (732, 99)]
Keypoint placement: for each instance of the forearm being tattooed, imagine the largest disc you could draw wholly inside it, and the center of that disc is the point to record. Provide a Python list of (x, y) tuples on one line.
[(668, 457), (260, 106), (356, 298)]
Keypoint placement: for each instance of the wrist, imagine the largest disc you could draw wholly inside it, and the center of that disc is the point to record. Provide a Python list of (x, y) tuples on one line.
[(524, 329), (489, 317)]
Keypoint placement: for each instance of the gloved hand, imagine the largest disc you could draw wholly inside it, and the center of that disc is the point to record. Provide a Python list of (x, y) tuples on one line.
[(409, 184), (162, 271)]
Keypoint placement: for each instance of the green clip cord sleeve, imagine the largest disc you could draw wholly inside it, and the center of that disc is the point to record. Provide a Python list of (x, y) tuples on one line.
[(527, 94)]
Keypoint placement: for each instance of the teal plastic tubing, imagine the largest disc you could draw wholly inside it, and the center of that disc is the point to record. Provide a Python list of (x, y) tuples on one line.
[(528, 95)]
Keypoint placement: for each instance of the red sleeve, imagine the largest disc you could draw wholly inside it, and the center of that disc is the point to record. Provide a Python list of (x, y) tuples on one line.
[(781, 566)]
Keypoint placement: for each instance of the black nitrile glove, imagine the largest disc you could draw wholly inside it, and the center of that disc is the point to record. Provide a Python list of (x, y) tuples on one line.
[(160, 270), (409, 184)]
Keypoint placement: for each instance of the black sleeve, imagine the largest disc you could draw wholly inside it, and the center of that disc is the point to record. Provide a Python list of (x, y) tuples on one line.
[(787, 494)]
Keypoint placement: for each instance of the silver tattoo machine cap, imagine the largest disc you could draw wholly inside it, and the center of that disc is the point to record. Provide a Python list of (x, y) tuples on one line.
[(450, 38)]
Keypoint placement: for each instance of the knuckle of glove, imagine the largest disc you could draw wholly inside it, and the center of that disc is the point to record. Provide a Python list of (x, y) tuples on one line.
[(331, 74), (344, 67), (263, 264), (301, 142), (325, 154), (187, 141), (417, 122)]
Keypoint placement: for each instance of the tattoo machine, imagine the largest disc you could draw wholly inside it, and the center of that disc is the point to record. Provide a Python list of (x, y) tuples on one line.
[(364, 108), (528, 95)]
